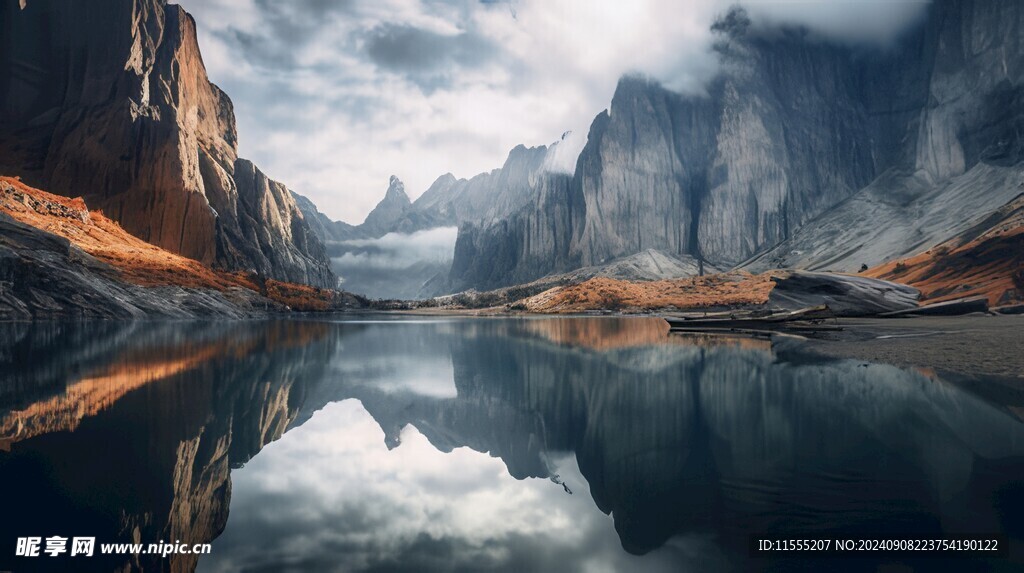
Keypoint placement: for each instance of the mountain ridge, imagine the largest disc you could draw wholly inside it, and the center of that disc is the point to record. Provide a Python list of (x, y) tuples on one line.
[(794, 130)]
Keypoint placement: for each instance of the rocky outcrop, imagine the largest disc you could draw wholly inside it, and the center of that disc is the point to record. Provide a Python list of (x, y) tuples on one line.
[(802, 153), (44, 276), (272, 235), (389, 211), (110, 101), (845, 295), (987, 259), (59, 260)]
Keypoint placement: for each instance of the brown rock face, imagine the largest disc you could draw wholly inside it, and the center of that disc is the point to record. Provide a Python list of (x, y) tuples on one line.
[(109, 100)]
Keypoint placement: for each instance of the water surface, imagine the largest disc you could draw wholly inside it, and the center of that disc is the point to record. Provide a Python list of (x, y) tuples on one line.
[(457, 444)]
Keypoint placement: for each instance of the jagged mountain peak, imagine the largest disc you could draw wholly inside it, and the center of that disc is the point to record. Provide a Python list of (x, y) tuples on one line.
[(389, 211), (395, 192)]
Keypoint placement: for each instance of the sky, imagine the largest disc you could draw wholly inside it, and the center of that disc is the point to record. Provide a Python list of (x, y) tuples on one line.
[(330, 496), (332, 97)]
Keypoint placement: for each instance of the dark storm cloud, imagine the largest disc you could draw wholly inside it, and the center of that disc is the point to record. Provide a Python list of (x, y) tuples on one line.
[(258, 49), (284, 28), (850, 21), (429, 59), (296, 18), (407, 48)]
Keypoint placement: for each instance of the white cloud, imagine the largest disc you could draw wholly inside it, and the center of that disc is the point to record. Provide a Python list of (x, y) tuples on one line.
[(333, 97), (873, 21), (399, 250), (329, 496)]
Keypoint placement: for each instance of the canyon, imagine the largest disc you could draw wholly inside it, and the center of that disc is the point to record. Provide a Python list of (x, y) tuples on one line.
[(801, 153)]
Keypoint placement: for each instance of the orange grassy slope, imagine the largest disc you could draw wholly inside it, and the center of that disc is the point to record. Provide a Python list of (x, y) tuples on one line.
[(987, 259), (604, 293), (134, 260)]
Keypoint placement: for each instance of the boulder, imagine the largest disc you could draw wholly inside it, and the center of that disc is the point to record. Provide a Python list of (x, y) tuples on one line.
[(845, 295)]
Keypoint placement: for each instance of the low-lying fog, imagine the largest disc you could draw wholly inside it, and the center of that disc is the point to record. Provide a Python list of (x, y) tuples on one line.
[(396, 265)]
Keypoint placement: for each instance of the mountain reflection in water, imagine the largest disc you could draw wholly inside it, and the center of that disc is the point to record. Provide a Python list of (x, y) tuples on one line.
[(139, 432)]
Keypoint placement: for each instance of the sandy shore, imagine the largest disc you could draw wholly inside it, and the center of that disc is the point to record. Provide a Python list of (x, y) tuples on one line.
[(967, 345)]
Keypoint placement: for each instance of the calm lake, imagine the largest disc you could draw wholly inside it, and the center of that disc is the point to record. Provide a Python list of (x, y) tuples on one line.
[(482, 444)]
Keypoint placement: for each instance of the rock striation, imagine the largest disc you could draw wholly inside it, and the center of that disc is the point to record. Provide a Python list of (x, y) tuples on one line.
[(845, 295), (802, 153), (987, 259), (110, 101), (326, 229), (59, 260)]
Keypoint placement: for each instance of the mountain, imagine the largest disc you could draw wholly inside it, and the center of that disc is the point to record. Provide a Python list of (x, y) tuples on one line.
[(986, 259), (322, 226), (389, 211), (110, 101), (802, 153), (488, 198)]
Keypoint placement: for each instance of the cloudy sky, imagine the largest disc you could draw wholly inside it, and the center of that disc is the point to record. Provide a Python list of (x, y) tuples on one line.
[(330, 496), (334, 96)]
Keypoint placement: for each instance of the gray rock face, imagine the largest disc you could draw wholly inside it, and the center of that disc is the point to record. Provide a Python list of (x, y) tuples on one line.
[(505, 199), (962, 151), (110, 101), (845, 295), (483, 199), (44, 276), (322, 226), (389, 211), (272, 232), (793, 138)]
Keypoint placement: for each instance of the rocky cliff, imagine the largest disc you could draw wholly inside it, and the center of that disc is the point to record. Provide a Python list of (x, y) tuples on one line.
[(389, 211), (204, 403), (110, 101), (960, 148), (822, 155), (58, 259), (326, 229), (500, 201)]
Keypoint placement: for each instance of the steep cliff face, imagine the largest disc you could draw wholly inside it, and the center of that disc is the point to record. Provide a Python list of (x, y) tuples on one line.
[(525, 244), (522, 205), (820, 154), (960, 154), (110, 101), (514, 222), (780, 136), (268, 231)]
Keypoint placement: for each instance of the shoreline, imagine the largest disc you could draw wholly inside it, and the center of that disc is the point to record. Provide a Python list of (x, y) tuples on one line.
[(971, 345)]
